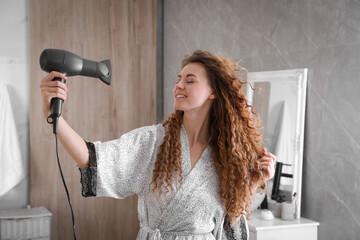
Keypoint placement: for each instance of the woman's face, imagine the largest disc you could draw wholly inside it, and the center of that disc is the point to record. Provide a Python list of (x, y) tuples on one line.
[(192, 90)]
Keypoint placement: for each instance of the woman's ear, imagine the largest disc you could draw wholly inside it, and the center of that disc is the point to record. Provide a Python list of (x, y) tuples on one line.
[(212, 95)]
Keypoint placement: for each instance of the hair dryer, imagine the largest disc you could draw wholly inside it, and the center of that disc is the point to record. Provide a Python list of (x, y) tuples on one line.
[(70, 65)]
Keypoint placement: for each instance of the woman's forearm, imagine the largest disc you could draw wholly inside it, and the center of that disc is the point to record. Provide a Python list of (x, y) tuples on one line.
[(254, 183), (73, 143)]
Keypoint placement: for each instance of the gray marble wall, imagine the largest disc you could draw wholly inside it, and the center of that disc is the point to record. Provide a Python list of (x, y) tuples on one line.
[(321, 35), (14, 73)]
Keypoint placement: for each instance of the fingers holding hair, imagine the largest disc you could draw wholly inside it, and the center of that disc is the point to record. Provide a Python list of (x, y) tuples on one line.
[(267, 162)]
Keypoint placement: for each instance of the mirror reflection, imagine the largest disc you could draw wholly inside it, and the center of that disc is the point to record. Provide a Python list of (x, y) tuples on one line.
[(279, 98)]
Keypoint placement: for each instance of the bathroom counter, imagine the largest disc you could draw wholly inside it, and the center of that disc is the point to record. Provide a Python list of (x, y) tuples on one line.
[(278, 229)]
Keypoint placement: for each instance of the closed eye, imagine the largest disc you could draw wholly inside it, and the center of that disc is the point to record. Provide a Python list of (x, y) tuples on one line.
[(189, 78), (187, 81)]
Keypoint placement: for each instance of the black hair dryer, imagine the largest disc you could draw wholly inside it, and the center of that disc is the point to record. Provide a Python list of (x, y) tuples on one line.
[(71, 65)]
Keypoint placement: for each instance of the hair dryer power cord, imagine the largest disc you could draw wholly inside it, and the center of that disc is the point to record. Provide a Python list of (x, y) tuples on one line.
[(66, 189)]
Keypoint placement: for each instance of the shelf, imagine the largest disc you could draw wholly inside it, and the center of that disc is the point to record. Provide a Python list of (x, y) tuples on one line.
[(256, 223)]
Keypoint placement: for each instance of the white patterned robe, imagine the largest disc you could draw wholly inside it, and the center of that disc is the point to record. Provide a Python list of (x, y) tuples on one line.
[(123, 167)]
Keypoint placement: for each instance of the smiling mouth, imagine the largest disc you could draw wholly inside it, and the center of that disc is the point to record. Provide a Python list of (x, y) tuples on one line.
[(180, 96)]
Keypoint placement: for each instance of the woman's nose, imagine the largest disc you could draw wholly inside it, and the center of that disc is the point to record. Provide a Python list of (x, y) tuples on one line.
[(180, 84)]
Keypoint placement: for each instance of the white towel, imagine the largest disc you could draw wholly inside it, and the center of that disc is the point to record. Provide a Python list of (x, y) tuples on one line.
[(12, 166)]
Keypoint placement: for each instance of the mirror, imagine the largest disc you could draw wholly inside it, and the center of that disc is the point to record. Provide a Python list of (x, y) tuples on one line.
[(281, 105)]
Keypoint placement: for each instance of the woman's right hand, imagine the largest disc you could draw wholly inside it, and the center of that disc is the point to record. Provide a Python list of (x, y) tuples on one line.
[(52, 89)]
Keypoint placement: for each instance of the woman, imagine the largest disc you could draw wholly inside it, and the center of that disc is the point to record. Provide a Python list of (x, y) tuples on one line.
[(195, 173)]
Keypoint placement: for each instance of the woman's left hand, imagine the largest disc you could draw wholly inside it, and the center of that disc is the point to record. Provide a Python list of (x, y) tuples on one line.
[(267, 163)]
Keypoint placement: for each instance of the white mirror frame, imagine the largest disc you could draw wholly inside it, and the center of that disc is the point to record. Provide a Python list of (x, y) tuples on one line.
[(300, 76)]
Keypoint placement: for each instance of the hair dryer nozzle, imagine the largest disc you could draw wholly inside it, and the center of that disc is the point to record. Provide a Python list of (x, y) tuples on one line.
[(105, 67)]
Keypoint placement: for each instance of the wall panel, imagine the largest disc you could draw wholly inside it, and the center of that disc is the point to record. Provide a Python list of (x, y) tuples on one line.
[(125, 32)]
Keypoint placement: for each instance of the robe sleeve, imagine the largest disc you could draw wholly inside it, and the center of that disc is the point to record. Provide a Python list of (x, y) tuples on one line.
[(122, 167), (239, 231), (89, 174)]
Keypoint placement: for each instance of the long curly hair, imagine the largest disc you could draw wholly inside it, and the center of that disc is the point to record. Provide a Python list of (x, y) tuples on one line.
[(234, 137)]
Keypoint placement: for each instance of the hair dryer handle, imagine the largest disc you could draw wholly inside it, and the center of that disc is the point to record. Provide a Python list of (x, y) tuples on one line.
[(56, 108)]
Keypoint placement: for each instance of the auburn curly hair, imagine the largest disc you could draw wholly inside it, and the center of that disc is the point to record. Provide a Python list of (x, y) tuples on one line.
[(234, 137)]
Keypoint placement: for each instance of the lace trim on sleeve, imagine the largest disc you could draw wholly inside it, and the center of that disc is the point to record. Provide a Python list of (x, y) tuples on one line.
[(92, 154), (89, 174), (237, 232)]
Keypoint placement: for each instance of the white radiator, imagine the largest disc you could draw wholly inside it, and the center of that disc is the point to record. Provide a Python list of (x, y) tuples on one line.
[(25, 223)]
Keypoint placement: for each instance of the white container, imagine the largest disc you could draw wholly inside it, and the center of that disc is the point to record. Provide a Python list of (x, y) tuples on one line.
[(25, 223), (287, 211), (278, 208)]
